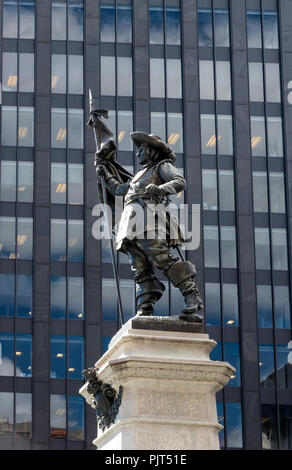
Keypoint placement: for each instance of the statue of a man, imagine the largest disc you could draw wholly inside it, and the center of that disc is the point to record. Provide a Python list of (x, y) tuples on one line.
[(157, 179)]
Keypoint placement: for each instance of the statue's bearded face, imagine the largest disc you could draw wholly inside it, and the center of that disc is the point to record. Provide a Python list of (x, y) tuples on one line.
[(144, 154)]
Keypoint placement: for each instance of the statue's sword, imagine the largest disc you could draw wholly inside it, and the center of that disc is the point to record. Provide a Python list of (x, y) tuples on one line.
[(94, 124)]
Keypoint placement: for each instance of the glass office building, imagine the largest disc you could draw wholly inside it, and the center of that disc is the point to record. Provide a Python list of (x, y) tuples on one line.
[(214, 79)]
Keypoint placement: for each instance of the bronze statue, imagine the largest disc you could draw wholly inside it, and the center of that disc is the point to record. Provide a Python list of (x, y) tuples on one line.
[(157, 179)]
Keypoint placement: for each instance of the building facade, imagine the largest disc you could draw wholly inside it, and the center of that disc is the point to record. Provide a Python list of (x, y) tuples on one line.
[(214, 79)]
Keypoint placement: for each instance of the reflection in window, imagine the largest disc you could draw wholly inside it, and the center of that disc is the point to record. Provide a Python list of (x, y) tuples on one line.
[(128, 298), (59, 75), (272, 82), (279, 249), (173, 75), (225, 135), (258, 136), (25, 182), (10, 18), (59, 183), (228, 247), (7, 290), (206, 69), (75, 128), (269, 427), (212, 303), (68, 297), (282, 307), (175, 132), (125, 87), (58, 357), (262, 248), (271, 35), (75, 189), (226, 190), (173, 22), (124, 76), (74, 22), (7, 237), (8, 181), (23, 355), (232, 355), (230, 304), (156, 22), (284, 365), (277, 192), (23, 415), (75, 74), (223, 80), (211, 246), (58, 417), (26, 72), (76, 357), (124, 24), (7, 414), (254, 29), (208, 134), (109, 301), (107, 76), (22, 246), (58, 239), (267, 365), (209, 184), (275, 137), (18, 17), (221, 27), (156, 25), (158, 124), (75, 418), (256, 81), (107, 23), (105, 343), (264, 307), (24, 238), (157, 78), (24, 295), (233, 424), (125, 127), (216, 353), (58, 297), (59, 136), (7, 354), (285, 415), (25, 135), (205, 30), (75, 240), (260, 191), (9, 71)]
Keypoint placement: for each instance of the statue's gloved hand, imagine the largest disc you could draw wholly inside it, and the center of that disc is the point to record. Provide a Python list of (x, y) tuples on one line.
[(154, 190), (98, 160), (100, 170)]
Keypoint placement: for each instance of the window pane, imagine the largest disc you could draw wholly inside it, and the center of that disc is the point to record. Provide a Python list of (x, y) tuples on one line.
[(211, 246), (273, 85), (10, 18), (212, 304), (209, 183), (7, 354), (271, 37), (128, 298), (7, 286), (23, 355), (6, 413), (232, 355), (264, 307), (282, 307), (173, 21), (162, 306), (59, 22), (58, 240), (216, 353), (256, 81), (269, 427), (225, 137), (124, 24), (228, 247), (107, 23), (208, 134), (267, 365), (226, 190), (58, 297), (75, 125), (8, 181), (24, 237), (76, 357), (284, 366), (109, 301), (23, 415), (25, 126), (206, 68), (221, 28), (279, 248), (223, 80), (58, 357), (75, 74), (9, 71), (260, 191), (58, 417), (25, 182), (75, 240), (158, 125), (254, 29), (125, 127), (75, 187), (59, 73), (157, 78), (258, 136), (7, 237), (230, 304), (125, 87), (285, 427), (176, 301), (156, 25), (175, 132), (24, 295), (173, 74), (275, 137), (107, 76), (26, 19), (75, 21), (75, 298), (277, 192), (233, 425), (8, 132), (75, 418), (262, 248), (58, 128), (205, 27), (58, 183)]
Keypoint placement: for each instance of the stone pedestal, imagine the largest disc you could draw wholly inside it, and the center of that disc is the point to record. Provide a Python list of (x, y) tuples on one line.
[(169, 386)]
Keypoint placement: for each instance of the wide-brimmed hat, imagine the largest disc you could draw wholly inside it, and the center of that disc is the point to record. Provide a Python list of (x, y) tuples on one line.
[(154, 141)]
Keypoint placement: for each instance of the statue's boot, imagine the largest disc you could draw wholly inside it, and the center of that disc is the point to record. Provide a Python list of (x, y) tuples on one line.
[(148, 292), (182, 275)]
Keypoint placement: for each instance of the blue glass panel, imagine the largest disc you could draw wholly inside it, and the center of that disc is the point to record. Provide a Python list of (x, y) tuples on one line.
[(75, 418), (58, 416), (7, 283), (75, 128), (232, 355), (23, 415), (7, 354), (128, 298), (282, 307), (109, 301), (156, 25), (105, 343), (7, 414), (76, 357), (59, 28), (75, 240), (284, 365), (221, 27), (75, 21), (124, 24), (254, 29), (271, 35), (75, 298), (212, 304), (264, 307), (233, 429), (23, 355), (24, 237), (216, 353), (205, 27), (107, 23), (10, 18), (7, 237), (173, 21), (162, 306), (267, 365), (58, 297), (58, 240), (26, 20), (220, 414), (230, 304), (58, 357), (24, 295)]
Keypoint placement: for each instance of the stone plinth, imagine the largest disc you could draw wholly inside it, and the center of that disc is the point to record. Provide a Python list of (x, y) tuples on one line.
[(169, 386)]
